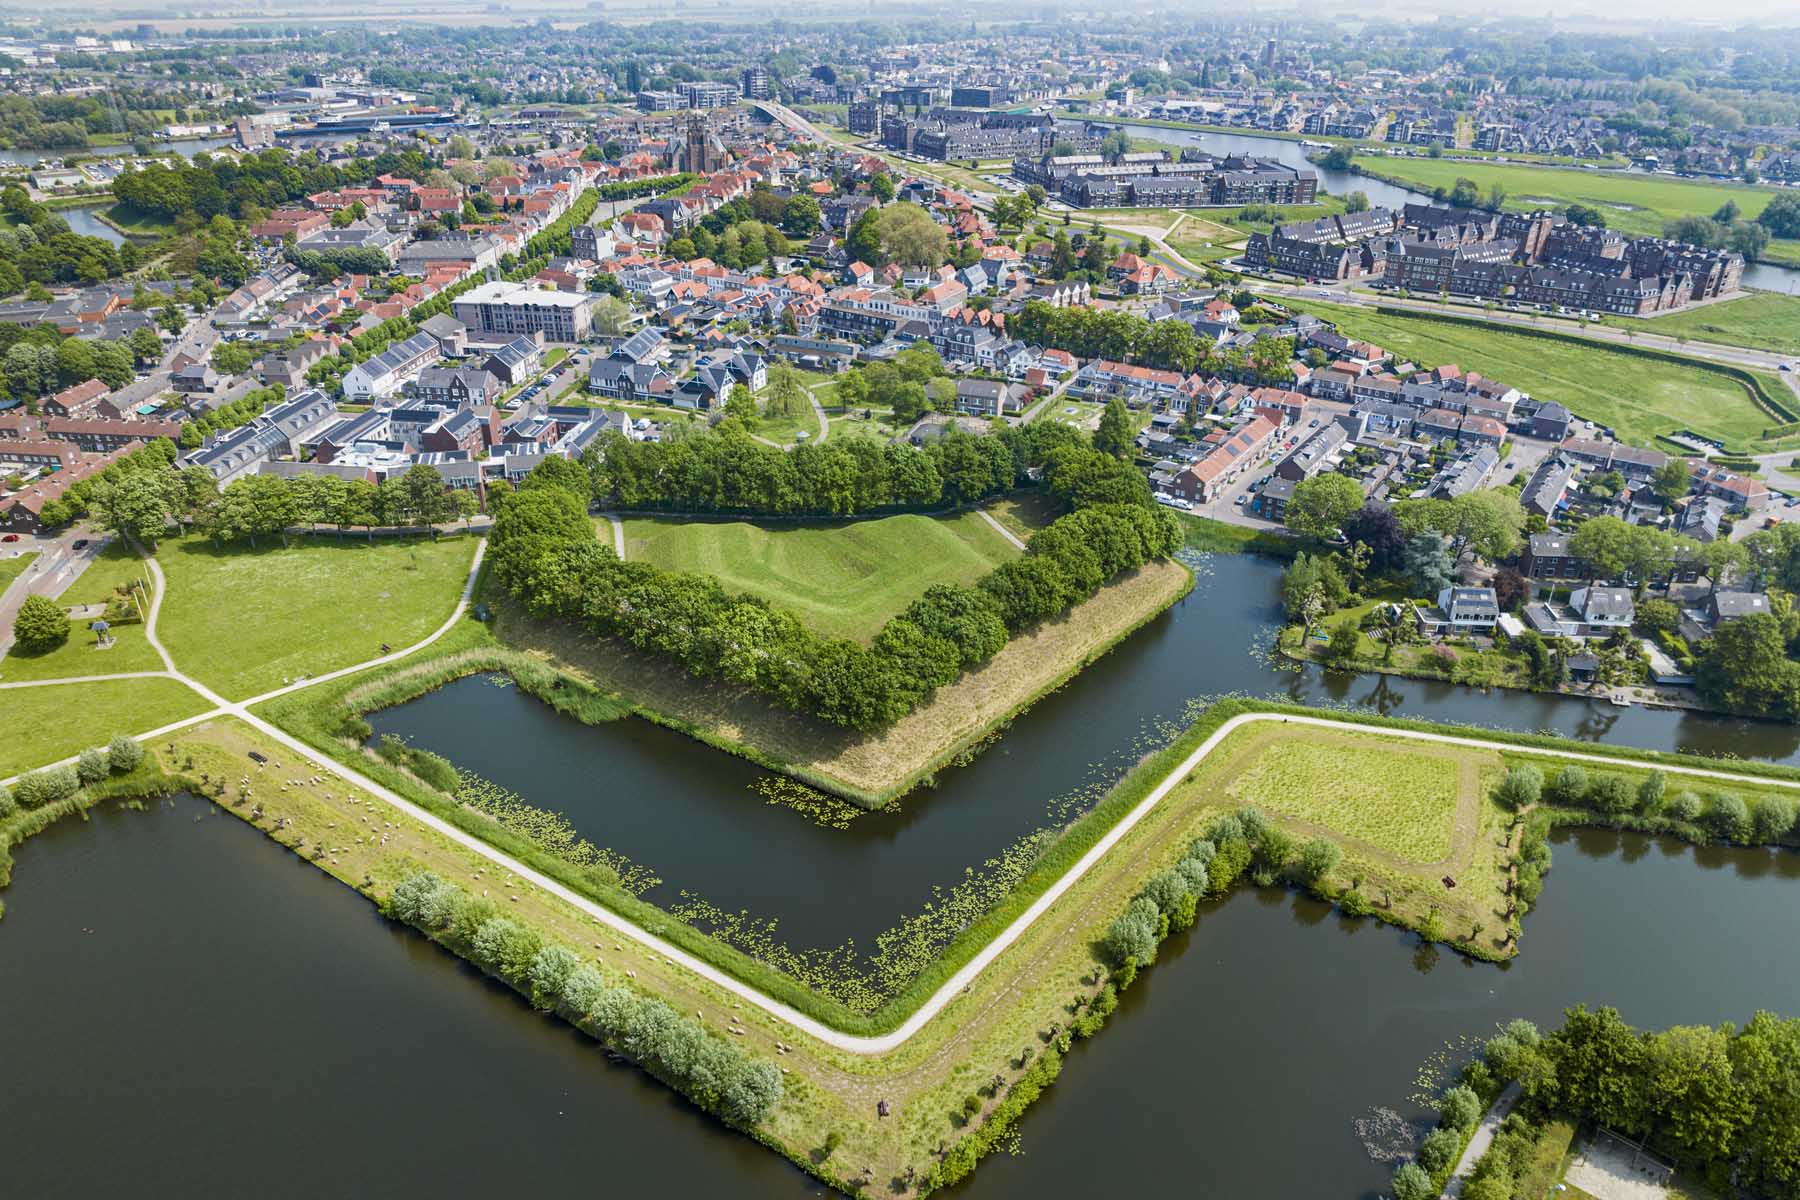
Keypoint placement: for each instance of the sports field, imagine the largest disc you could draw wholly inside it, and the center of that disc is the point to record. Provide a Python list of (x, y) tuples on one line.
[(1637, 397), (1633, 203), (842, 580)]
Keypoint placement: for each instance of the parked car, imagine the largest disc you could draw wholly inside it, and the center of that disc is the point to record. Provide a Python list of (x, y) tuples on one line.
[(81, 543), (11, 537)]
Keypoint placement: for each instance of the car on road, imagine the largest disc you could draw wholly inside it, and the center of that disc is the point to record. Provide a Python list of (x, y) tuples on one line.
[(1787, 366), (1242, 499), (81, 543), (11, 537)]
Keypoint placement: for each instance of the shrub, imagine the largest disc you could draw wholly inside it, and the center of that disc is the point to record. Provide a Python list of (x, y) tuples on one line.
[(1459, 1109), (1570, 786), (1354, 904), (1439, 1150), (1612, 795), (41, 625), (1651, 792), (1132, 936), (123, 754), (1412, 1183), (8, 806), (1521, 788), (1774, 818), (1319, 858), (46, 786), (91, 767), (505, 947), (1684, 806), (1729, 817), (549, 970)]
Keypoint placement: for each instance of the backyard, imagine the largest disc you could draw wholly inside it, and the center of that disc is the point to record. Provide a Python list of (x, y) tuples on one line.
[(841, 580)]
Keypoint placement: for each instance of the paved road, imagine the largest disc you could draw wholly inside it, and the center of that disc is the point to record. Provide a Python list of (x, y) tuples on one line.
[(58, 564)]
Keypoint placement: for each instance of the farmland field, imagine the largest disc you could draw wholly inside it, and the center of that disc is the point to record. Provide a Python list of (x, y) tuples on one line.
[(841, 580), (1636, 204), (1637, 397)]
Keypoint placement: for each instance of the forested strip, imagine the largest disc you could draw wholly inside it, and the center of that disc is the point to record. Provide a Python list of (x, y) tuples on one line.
[(544, 551)]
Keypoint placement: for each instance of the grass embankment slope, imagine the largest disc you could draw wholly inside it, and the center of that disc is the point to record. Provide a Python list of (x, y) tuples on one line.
[(245, 621), (1756, 320), (1637, 397), (843, 580), (1633, 203), (869, 769)]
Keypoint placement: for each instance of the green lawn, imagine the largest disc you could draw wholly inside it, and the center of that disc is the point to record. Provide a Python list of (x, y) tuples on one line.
[(12, 568), (1638, 397), (245, 621), (1403, 802), (782, 429), (842, 580), (1638, 204), (80, 655), (1758, 320), (44, 724)]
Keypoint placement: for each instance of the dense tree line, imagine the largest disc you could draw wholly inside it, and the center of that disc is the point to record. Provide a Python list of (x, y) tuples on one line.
[(724, 470), (38, 360), (543, 550), (241, 188), (1170, 345), (1721, 1101), (704, 1067), (144, 504), (38, 248), (82, 499)]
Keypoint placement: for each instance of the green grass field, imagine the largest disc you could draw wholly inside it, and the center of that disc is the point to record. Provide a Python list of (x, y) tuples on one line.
[(245, 621), (1639, 204), (1404, 803), (842, 580), (1758, 320), (1637, 397), (44, 724), (12, 568)]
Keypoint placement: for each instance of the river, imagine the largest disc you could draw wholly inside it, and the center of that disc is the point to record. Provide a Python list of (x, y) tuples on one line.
[(277, 998), (186, 147), (1771, 277)]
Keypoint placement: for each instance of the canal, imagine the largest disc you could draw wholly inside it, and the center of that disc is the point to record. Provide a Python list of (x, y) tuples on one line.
[(1772, 277), (235, 1015)]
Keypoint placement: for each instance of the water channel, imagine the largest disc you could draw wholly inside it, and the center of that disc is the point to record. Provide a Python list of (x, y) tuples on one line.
[(1767, 276), (235, 1012)]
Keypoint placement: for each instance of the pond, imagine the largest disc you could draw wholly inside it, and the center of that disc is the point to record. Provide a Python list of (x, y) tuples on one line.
[(86, 221)]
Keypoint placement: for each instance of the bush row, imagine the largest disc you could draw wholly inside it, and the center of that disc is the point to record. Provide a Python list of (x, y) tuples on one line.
[(1772, 820), (713, 1073), (542, 548), (45, 786)]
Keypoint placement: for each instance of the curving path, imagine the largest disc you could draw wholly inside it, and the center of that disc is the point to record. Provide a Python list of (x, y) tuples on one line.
[(1000, 529), (963, 978)]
